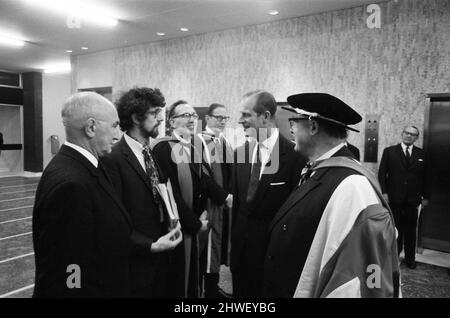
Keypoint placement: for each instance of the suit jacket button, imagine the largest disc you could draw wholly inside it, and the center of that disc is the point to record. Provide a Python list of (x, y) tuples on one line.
[(270, 257), (284, 227)]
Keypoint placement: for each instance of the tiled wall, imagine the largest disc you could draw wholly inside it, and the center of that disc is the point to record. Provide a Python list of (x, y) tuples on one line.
[(386, 71)]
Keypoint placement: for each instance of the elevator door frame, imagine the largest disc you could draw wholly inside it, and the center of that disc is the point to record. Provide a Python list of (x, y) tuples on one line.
[(20, 107), (425, 242)]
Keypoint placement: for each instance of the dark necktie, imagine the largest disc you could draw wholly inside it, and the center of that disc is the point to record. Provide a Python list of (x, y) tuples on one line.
[(407, 155), (306, 172), (254, 176), (152, 173)]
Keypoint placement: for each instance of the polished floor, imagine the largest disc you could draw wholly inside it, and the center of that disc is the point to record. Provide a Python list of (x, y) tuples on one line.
[(17, 257), (16, 246)]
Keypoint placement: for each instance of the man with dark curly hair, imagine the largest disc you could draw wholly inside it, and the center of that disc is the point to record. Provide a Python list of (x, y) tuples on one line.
[(135, 174)]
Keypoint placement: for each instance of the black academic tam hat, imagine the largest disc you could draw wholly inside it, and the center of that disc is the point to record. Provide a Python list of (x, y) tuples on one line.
[(323, 106)]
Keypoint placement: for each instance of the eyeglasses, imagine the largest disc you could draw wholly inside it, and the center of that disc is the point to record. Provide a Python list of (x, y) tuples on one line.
[(221, 118), (187, 116), (410, 134), (155, 112)]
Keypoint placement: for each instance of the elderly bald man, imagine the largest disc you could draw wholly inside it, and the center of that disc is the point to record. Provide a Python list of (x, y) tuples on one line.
[(81, 232)]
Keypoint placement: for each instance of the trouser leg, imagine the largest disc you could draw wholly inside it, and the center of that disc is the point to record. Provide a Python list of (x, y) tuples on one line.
[(397, 210), (410, 225)]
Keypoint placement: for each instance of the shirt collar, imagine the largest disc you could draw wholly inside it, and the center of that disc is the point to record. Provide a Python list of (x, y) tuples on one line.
[(84, 152), (404, 147), (210, 131), (269, 143), (135, 145), (182, 140), (331, 152)]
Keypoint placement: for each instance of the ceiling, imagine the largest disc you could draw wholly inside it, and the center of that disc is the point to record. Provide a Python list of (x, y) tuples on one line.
[(48, 36)]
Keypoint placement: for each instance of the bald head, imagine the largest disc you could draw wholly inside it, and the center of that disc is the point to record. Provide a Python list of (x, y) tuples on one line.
[(90, 121), (81, 106)]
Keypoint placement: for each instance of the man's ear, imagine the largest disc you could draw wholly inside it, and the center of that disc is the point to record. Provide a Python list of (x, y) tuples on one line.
[(134, 119), (314, 127), (171, 121), (89, 127)]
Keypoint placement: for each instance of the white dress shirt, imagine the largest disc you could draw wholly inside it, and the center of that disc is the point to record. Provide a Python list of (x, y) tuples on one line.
[(404, 149), (136, 148), (266, 148), (84, 152)]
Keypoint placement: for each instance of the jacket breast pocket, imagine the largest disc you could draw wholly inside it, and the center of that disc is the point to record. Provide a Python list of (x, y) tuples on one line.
[(274, 184)]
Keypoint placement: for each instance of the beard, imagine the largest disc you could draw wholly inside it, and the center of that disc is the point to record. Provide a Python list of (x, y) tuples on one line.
[(153, 133)]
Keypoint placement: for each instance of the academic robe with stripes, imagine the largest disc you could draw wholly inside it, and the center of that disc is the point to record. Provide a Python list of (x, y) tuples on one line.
[(333, 237)]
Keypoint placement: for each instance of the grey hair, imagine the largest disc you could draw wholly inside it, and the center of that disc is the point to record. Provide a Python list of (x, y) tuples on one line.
[(81, 106)]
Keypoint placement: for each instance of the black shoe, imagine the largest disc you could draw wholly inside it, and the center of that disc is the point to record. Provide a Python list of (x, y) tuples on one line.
[(222, 294), (411, 264)]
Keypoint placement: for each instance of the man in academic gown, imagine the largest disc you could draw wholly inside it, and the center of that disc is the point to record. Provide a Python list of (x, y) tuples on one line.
[(214, 244), (180, 157), (335, 235)]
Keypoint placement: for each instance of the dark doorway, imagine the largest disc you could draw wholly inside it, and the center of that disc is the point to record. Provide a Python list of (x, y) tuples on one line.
[(435, 218)]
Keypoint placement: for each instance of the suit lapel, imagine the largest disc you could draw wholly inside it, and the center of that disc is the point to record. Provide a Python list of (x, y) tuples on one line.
[(279, 150), (107, 186), (414, 155), (133, 162)]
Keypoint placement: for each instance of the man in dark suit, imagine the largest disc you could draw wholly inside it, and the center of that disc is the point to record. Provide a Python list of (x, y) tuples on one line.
[(81, 231), (135, 175), (332, 236), (402, 175), (262, 184)]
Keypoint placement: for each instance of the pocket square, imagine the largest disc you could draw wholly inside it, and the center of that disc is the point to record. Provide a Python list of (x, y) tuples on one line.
[(419, 159), (277, 183)]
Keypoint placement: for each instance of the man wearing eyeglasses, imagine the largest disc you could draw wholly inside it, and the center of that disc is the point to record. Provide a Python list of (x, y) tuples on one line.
[(334, 236), (135, 174), (402, 175), (214, 243), (180, 156)]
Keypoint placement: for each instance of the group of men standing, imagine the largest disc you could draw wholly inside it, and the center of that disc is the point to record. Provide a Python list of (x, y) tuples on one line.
[(292, 219)]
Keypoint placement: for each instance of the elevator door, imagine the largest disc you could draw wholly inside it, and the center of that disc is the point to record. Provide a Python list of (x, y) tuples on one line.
[(435, 220), (11, 154)]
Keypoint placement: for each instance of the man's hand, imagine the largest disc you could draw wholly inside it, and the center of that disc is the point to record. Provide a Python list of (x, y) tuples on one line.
[(386, 197), (169, 241), (204, 219), (425, 202), (229, 201)]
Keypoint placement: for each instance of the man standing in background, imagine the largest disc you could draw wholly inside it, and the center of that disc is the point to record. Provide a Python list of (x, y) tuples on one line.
[(214, 243), (402, 175)]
